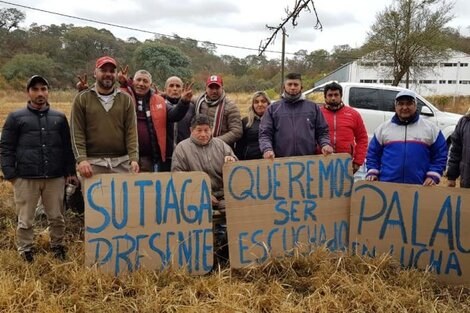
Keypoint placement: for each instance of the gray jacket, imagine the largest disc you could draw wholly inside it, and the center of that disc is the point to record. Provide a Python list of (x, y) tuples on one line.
[(293, 128)]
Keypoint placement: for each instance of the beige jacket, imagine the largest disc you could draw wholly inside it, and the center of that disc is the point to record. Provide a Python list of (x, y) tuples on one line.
[(189, 156), (232, 128)]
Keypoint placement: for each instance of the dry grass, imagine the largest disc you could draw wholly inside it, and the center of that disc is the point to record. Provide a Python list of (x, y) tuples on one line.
[(62, 101), (320, 282)]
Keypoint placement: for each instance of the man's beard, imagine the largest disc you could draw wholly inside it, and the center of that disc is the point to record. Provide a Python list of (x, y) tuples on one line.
[(334, 104), (106, 83)]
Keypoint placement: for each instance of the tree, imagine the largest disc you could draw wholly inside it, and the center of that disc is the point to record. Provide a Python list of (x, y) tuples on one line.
[(343, 54), (162, 61), (236, 66), (11, 18), (22, 66), (298, 62), (410, 33), (47, 39), (12, 43), (318, 61), (12, 39), (83, 45)]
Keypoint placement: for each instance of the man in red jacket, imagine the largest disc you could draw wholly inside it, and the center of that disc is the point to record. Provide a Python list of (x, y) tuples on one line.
[(347, 131)]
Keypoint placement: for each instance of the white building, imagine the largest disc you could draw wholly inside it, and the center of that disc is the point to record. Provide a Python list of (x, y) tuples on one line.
[(449, 77)]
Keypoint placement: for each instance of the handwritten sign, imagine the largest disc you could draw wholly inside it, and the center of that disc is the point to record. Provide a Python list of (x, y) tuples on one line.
[(149, 220), (421, 226), (277, 206)]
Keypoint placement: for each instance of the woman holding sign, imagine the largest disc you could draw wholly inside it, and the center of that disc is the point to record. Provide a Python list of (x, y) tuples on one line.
[(247, 148)]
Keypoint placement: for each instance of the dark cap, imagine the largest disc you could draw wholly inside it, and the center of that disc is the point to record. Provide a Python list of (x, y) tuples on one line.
[(33, 80), (105, 60)]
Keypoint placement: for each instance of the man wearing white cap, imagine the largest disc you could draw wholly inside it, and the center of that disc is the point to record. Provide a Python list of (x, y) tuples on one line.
[(104, 126), (407, 149)]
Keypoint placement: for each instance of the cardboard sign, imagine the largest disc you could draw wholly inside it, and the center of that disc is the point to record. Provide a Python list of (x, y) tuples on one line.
[(277, 206), (420, 226), (148, 220)]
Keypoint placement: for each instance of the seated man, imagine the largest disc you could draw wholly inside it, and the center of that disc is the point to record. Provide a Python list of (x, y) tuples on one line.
[(202, 152)]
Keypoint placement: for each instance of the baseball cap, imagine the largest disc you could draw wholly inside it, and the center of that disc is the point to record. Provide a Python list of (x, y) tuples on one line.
[(33, 80), (406, 94), (214, 79), (105, 60)]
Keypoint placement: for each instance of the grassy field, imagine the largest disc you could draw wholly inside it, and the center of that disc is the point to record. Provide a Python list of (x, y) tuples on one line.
[(62, 100), (320, 282)]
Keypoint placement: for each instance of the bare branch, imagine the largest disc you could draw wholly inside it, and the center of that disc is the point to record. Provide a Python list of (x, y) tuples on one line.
[(299, 6)]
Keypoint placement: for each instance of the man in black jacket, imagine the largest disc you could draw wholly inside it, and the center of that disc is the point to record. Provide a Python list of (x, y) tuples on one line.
[(37, 158), (458, 164)]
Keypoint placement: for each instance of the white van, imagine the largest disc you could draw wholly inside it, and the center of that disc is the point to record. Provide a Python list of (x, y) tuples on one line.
[(376, 103)]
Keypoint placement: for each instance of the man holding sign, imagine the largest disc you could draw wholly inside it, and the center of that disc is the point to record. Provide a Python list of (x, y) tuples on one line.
[(293, 126), (459, 157), (202, 152), (407, 149)]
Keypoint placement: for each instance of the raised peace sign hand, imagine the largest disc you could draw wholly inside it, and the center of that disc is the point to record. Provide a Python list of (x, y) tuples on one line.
[(122, 75), (82, 82), (187, 93), (155, 87)]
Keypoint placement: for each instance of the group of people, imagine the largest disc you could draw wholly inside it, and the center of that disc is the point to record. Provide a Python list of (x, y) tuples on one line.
[(134, 128)]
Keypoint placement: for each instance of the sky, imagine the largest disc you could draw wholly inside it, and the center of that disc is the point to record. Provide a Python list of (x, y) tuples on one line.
[(237, 23)]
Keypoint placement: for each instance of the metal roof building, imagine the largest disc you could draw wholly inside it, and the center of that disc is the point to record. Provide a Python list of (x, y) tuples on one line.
[(449, 77)]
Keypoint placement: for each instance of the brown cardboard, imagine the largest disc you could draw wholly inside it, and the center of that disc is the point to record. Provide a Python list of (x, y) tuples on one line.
[(180, 237), (420, 226), (254, 189)]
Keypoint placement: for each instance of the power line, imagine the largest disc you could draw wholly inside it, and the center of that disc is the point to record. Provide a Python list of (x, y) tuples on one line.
[(135, 29)]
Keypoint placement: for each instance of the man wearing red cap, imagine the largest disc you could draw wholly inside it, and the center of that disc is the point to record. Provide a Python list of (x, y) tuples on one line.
[(103, 125), (224, 115)]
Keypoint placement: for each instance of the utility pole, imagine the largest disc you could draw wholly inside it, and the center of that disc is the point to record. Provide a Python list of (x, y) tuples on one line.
[(292, 16), (283, 56)]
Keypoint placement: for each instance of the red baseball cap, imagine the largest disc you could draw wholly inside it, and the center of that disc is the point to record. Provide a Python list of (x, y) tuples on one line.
[(214, 79), (105, 60)]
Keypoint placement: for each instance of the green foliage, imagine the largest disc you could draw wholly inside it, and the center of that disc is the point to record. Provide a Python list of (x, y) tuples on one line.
[(245, 83), (10, 18), (272, 94), (162, 61), (22, 66), (74, 50), (82, 45)]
